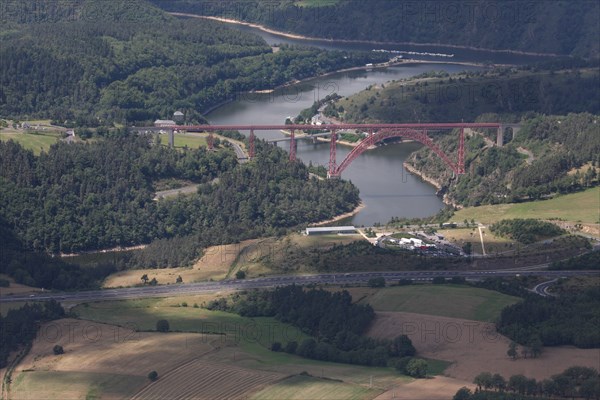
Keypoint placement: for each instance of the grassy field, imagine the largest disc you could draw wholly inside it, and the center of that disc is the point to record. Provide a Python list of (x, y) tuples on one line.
[(193, 142), (35, 142), (243, 341), (306, 387), (245, 332), (456, 301), (316, 3), (492, 243), (74, 385), (578, 207)]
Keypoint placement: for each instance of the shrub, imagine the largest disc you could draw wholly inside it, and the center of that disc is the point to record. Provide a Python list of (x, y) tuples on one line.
[(162, 325), (275, 346), (153, 375), (58, 349), (240, 274)]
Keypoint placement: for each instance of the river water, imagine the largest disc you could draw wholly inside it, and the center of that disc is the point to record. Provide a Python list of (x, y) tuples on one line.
[(386, 188)]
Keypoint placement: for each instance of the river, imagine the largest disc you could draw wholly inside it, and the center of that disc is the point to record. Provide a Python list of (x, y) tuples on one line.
[(386, 188)]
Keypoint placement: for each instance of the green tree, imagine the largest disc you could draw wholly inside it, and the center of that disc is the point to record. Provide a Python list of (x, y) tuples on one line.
[(512, 350), (536, 346), (58, 349), (179, 279), (276, 346), (498, 382), (468, 248), (483, 380), (145, 278), (162, 325), (377, 282), (153, 282), (153, 375), (417, 368), (240, 274), (464, 393)]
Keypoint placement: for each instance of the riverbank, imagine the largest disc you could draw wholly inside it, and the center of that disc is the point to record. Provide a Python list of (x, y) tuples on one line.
[(349, 41), (433, 183), (340, 217)]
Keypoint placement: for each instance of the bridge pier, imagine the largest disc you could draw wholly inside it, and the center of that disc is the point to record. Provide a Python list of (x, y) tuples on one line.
[(171, 138), (292, 145), (332, 154), (251, 139), (501, 130)]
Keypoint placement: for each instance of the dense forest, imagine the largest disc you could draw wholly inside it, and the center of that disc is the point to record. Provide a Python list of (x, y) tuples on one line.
[(131, 63), (99, 195), (332, 319), (559, 27), (573, 318), (504, 94)]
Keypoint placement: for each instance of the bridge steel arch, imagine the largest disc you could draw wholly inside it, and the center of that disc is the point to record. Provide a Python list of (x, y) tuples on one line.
[(421, 136), (376, 133)]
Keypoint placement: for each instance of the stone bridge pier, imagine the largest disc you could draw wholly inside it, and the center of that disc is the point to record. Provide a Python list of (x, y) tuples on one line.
[(502, 130)]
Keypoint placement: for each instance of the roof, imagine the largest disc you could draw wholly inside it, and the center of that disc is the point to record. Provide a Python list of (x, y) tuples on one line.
[(164, 122), (178, 113), (331, 229)]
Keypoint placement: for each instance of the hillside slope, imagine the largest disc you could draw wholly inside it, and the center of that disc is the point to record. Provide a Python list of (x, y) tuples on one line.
[(557, 27)]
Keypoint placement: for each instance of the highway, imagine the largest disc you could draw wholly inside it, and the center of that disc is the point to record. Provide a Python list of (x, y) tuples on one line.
[(273, 281)]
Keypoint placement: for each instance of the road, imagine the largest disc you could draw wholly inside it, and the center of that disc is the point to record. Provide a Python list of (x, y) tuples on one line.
[(272, 281), (542, 288)]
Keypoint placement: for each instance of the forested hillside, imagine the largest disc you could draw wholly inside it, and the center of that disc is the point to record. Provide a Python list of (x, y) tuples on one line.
[(508, 92), (563, 158), (123, 61), (559, 27), (550, 154), (98, 195)]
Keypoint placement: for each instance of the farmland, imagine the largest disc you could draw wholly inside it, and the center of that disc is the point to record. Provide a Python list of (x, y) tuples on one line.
[(575, 207), (306, 387), (202, 380), (37, 142), (455, 301)]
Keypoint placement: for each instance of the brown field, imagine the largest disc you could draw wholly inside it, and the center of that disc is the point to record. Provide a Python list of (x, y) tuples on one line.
[(16, 288), (475, 347), (215, 264), (100, 355), (436, 388), (256, 257), (493, 244), (207, 380)]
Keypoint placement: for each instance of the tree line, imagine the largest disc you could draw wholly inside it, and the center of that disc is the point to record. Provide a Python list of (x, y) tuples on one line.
[(335, 324), (19, 327), (570, 319), (527, 230), (576, 381)]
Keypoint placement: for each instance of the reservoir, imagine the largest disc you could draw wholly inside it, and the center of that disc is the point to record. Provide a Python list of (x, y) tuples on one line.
[(386, 188)]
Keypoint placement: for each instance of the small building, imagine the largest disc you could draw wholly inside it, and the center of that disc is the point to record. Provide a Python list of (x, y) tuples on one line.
[(164, 123), (178, 117), (323, 230)]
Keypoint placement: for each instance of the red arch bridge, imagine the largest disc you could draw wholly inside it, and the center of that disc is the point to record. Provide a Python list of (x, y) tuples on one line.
[(375, 133)]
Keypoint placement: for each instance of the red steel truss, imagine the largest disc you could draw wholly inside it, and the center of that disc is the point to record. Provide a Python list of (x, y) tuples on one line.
[(376, 133)]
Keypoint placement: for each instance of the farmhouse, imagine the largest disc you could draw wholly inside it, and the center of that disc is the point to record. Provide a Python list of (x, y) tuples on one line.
[(323, 230), (163, 123)]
